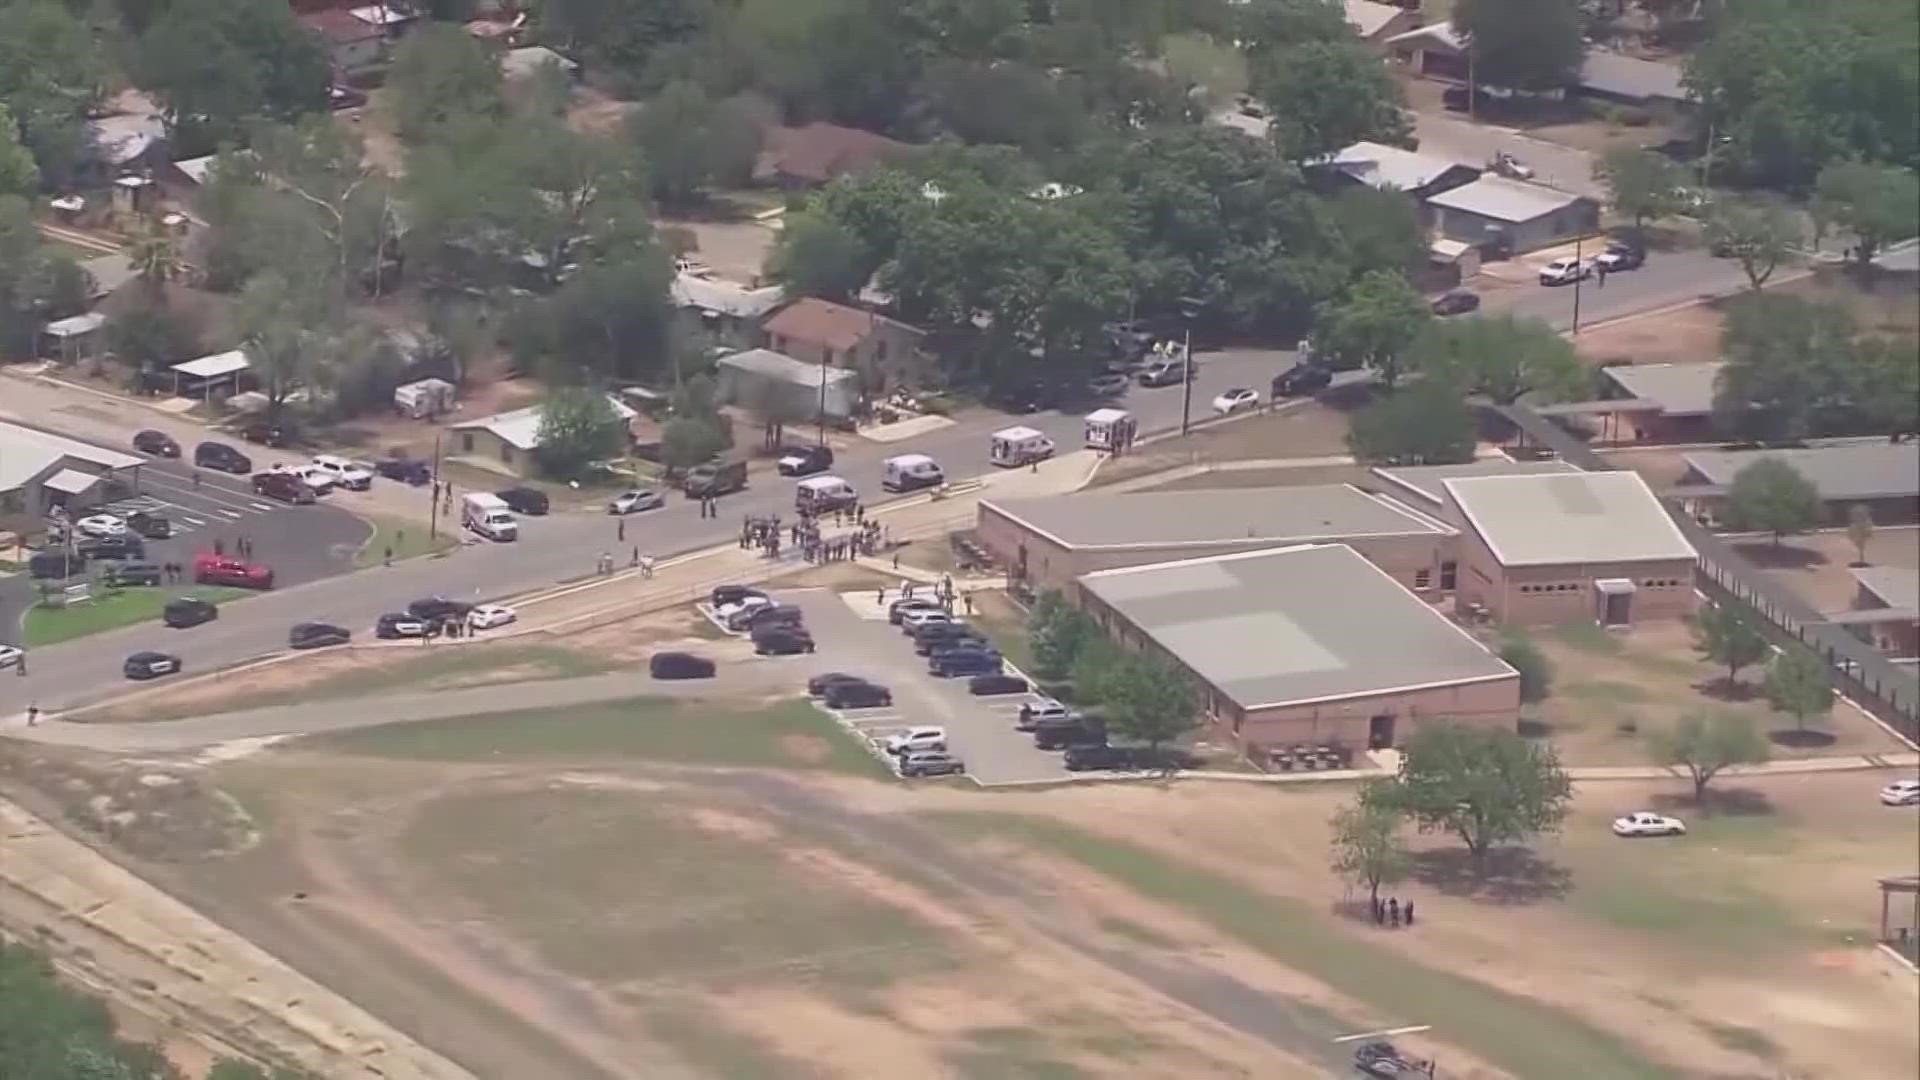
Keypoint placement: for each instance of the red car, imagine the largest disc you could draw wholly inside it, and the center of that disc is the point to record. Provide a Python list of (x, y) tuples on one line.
[(225, 570)]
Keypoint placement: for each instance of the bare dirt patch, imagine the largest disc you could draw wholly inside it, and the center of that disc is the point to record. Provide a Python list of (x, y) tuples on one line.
[(156, 810), (1816, 566), (1682, 336)]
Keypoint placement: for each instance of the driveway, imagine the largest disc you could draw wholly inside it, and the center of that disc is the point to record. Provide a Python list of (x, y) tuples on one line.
[(1666, 279)]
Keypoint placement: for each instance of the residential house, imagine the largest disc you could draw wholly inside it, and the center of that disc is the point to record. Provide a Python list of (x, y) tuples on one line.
[(506, 442), (722, 313), (40, 470), (1376, 22), (813, 154), (886, 352), (1512, 217), (1437, 51), (1391, 168)]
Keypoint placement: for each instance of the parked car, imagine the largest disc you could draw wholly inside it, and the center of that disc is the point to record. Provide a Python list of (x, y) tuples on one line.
[(1302, 379), (10, 656), (996, 685), (283, 487), (817, 685), (1565, 271), (917, 739), (918, 617), (1033, 713), (439, 609), (632, 502), (317, 635), (804, 460), (157, 443), (264, 433), (1648, 823), (856, 695), (348, 474), (715, 478), (722, 595), (149, 665), (316, 478), (1090, 758), (1166, 373), (1238, 399), (1109, 383), (401, 625), (1621, 256), (524, 500), (210, 569), (56, 564), (967, 662), (1068, 736), (405, 470), (1507, 165), (184, 611), (150, 525), (782, 641), (1457, 302), (768, 616), (101, 525), (1901, 793), (679, 665), (952, 636), (740, 616), (122, 575), (113, 547), (897, 611), (931, 763), (220, 456), (488, 616)]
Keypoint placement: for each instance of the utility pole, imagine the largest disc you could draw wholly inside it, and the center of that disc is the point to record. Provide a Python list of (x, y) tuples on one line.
[(1189, 307), (433, 495), (823, 397), (1579, 276)]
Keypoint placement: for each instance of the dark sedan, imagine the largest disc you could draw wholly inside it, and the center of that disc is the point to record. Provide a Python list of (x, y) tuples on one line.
[(317, 635), (679, 665), (818, 685), (439, 609), (149, 665), (157, 443), (188, 611), (525, 500), (1457, 302), (150, 525)]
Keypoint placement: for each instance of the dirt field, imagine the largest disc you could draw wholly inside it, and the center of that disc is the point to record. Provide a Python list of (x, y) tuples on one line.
[(1610, 692)]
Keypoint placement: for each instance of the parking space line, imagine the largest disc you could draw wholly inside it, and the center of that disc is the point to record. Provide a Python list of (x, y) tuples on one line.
[(260, 506)]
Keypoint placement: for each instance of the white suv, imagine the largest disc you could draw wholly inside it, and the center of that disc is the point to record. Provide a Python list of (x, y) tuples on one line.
[(1041, 710), (345, 473), (918, 739), (1565, 271)]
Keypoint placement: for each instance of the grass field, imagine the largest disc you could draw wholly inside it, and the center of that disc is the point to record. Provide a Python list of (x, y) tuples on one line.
[(110, 610), (406, 539), (790, 734)]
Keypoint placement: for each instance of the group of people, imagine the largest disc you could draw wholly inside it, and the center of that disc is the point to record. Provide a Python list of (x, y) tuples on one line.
[(1390, 911), (643, 563), (173, 573), (762, 533)]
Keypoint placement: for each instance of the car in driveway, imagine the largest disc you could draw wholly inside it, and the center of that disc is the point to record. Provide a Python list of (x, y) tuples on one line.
[(314, 477), (101, 525), (679, 665), (1457, 302), (1238, 399), (857, 695), (150, 665), (395, 624), (782, 641), (804, 460), (1302, 379), (283, 487), (317, 635), (220, 456), (1566, 271), (488, 616), (1620, 256), (917, 740), (1648, 823), (996, 685), (157, 443), (150, 525), (1901, 793), (439, 609), (636, 500), (184, 611), (525, 500), (347, 474), (211, 569), (931, 763)]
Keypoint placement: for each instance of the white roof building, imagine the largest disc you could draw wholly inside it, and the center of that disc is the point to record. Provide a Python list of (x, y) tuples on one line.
[(520, 428), (718, 296), (1553, 519), (26, 453), (1390, 167)]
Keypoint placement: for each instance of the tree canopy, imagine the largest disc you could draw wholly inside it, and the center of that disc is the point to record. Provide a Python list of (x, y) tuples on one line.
[(1523, 44), (1772, 496), (1758, 234), (52, 70), (441, 74), (1486, 787), (1640, 183), (1372, 324), (1797, 368), (1328, 95), (216, 64), (1367, 847), (1874, 203), (1728, 636), (1501, 357), (1798, 684), (577, 428), (1706, 744), (1426, 423), (691, 143)]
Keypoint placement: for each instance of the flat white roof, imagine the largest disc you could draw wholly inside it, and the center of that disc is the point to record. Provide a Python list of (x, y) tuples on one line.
[(1864, 470), (26, 453), (1679, 389), (1368, 16), (1389, 167), (1553, 519), (75, 325), (1502, 199), (1014, 434), (1107, 416), (1166, 520), (212, 367), (520, 428)]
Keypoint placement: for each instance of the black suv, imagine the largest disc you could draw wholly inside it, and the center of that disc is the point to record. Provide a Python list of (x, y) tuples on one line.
[(150, 525), (723, 595), (157, 443), (56, 564), (316, 635), (964, 662), (283, 487), (523, 500), (259, 431), (820, 684), (804, 460), (679, 665), (991, 685), (782, 641), (186, 611), (777, 616), (1067, 736), (112, 547), (439, 609), (405, 470), (1302, 378), (213, 455), (857, 695), (120, 575)]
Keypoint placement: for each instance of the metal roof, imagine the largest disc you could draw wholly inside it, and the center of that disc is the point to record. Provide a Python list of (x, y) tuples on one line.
[(724, 297), (1424, 481), (75, 325), (1896, 586), (1295, 625), (1872, 470), (1172, 519), (785, 368), (212, 367), (1369, 16), (1679, 389), (1502, 199), (1625, 76), (1581, 517), (70, 481), (523, 62), (26, 453), (520, 428), (1391, 168)]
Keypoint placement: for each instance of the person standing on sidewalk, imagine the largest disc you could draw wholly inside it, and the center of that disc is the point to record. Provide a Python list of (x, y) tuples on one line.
[(33, 715)]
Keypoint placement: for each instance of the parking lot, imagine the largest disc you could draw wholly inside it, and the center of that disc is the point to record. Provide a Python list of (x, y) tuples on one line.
[(301, 543)]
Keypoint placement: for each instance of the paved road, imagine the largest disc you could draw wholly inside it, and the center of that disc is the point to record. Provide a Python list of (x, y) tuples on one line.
[(1666, 279)]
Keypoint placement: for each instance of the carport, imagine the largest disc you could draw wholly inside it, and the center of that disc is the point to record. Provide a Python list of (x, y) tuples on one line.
[(71, 338), (70, 488), (202, 376)]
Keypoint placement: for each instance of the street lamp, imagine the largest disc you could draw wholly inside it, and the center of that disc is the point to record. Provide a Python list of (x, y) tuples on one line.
[(1189, 307)]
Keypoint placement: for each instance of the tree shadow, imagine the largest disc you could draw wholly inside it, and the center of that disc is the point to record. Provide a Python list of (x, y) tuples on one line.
[(1534, 729), (1511, 875), (1801, 738), (1347, 398), (1716, 802), (1720, 690), (1771, 556)]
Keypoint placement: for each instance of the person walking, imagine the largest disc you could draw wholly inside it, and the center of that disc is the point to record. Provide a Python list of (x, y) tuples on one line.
[(969, 600), (33, 715), (1393, 911), (646, 566), (620, 530), (386, 556), (1409, 913)]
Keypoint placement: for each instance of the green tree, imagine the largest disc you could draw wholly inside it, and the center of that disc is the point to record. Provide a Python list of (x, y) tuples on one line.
[(1792, 369), (1150, 700), (1378, 230), (1373, 325), (1264, 25), (1523, 44), (1640, 183), (1006, 103), (154, 255), (1728, 636), (1797, 684), (1876, 203), (692, 143), (217, 63), (1536, 671), (1197, 60), (1367, 846), (1329, 95), (622, 37), (1099, 666), (148, 337), (37, 283), (1860, 531), (1057, 632), (1759, 234), (18, 173), (1501, 357), (817, 256), (1484, 786), (1423, 424), (1705, 744), (686, 441), (607, 322), (51, 72), (291, 335), (577, 428), (1884, 386), (441, 73), (1772, 496)]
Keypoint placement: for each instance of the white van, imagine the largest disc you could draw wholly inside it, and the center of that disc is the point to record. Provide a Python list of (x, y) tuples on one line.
[(823, 495), (1110, 429), (910, 471), (1015, 446), (488, 515)]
